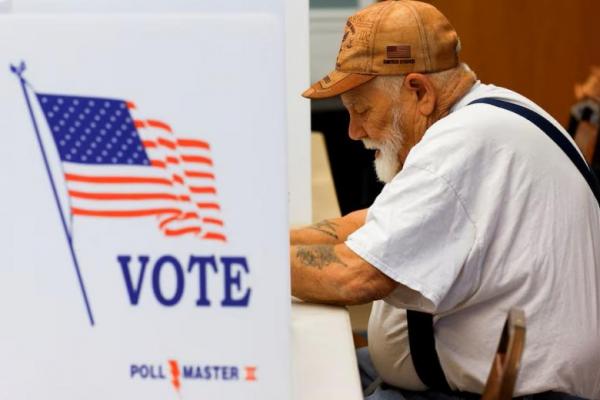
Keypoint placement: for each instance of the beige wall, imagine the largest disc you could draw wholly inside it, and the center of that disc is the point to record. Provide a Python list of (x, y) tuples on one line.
[(539, 48)]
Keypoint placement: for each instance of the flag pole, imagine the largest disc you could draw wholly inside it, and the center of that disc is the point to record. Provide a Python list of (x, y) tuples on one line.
[(18, 71)]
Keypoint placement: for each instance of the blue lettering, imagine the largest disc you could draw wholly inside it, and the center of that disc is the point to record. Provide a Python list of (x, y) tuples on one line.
[(202, 263), (158, 373), (233, 279), (236, 292), (145, 371), (188, 372), (179, 281), (133, 370), (133, 290), (210, 372)]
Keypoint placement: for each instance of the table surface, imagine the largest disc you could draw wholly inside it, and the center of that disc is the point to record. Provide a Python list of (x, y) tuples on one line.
[(323, 358)]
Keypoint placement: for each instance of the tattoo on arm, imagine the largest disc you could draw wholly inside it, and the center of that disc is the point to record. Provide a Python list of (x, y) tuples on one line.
[(327, 227), (318, 256)]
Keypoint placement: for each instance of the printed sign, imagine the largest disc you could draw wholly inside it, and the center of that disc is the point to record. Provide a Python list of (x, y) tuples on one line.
[(144, 247)]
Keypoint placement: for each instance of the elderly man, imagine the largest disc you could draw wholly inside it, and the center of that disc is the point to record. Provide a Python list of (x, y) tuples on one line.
[(482, 211)]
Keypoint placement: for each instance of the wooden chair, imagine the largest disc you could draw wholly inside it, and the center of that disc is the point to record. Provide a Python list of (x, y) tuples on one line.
[(584, 120), (505, 366)]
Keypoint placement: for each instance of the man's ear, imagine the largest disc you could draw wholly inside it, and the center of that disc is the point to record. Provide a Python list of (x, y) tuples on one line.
[(424, 92)]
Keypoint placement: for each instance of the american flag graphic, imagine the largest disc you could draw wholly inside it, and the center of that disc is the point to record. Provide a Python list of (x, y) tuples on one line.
[(398, 51), (117, 164)]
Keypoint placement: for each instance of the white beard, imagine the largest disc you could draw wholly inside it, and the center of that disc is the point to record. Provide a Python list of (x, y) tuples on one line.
[(387, 164)]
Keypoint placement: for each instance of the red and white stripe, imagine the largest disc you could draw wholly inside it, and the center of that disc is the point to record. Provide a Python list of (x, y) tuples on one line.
[(179, 189)]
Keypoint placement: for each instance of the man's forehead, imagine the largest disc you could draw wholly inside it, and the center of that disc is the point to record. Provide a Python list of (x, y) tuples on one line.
[(349, 97), (357, 94), (364, 93)]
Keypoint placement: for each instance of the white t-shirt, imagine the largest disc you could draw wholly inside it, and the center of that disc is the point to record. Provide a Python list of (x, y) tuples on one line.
[(487, 214)]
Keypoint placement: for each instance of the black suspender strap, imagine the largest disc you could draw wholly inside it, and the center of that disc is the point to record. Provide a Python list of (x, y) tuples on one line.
[(420, 325), (421, 340), (553, 133)]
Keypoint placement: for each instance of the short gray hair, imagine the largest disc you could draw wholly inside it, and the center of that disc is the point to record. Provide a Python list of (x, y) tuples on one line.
[(392, 83)]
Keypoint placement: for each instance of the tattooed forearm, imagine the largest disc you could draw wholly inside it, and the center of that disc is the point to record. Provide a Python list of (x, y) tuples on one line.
[(327, 227), (318, 256)]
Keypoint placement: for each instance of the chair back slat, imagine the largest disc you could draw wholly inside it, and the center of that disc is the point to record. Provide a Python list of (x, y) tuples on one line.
[(501, 380)]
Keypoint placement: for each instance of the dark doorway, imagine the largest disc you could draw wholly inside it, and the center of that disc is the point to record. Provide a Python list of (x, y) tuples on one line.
[(351, 164)]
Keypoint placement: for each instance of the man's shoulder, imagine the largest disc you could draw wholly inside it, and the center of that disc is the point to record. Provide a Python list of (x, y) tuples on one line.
[(475, 139), (468, 116), (459, 137), (471, 128)]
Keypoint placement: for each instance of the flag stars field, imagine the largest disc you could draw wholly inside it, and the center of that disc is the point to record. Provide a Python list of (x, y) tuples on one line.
[(118, 165)]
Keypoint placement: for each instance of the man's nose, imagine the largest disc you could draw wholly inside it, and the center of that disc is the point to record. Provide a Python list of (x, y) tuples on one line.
[(356, 130)]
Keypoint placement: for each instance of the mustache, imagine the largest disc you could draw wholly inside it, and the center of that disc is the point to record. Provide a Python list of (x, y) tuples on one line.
[(371, 144)]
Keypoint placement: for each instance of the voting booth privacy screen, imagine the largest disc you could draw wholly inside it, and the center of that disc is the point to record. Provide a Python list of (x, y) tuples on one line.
[(143, 208)]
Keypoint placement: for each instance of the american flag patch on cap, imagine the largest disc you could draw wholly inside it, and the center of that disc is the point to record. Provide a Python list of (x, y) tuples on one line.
[(398, 51)]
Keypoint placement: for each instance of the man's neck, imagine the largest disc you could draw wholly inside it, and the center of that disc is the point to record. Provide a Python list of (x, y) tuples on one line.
[(457, 87)]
